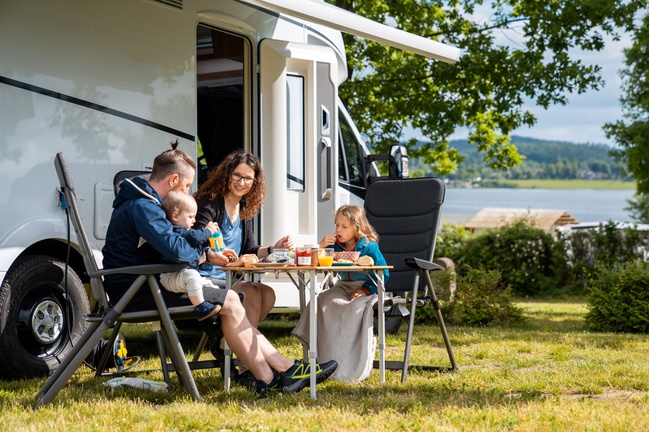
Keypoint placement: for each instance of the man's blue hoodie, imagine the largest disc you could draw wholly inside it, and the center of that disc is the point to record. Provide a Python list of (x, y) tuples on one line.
[(138, 234)]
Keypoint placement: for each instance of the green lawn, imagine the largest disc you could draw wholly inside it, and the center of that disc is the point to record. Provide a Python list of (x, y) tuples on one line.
[(549, 374)]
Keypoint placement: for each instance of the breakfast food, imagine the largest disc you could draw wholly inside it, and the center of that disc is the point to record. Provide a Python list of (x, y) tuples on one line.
[(346, 256), (365, 260)]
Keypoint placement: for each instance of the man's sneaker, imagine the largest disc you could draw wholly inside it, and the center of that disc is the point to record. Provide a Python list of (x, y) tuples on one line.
[(246, 379), (263, 390), (219, 355), (298, 376), (206, 310)]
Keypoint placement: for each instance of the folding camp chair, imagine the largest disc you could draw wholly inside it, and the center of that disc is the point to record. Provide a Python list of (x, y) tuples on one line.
[(108, 315), (406, 213)]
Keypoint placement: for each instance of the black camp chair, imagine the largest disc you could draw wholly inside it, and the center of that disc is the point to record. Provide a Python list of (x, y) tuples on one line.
[(406, 214), (128, 174), (110, 316)]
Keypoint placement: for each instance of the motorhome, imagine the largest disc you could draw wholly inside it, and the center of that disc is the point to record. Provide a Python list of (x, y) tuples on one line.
[(112, 83)]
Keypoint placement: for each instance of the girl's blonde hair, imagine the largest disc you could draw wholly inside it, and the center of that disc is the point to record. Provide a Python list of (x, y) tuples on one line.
[(358, 219)]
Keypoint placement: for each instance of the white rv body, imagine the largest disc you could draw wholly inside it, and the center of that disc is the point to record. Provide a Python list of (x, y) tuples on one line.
[(112, 83)]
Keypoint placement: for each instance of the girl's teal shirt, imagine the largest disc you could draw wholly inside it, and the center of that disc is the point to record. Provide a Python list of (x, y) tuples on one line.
[(369, 248)]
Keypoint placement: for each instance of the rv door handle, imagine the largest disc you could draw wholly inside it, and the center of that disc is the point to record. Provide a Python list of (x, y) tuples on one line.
[(325, 169)]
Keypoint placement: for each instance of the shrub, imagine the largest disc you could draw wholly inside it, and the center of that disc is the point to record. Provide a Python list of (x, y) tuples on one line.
[(619, 298), (607, 245), (527, 258), (535, 263), (451, 240), (480, 299)]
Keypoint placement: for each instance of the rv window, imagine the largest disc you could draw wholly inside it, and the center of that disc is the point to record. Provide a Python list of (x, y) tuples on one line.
[(351, 152), (295, 140)]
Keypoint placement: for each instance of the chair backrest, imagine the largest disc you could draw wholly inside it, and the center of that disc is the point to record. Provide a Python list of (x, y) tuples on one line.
[(128, 174), (70, 203), (406, 214)]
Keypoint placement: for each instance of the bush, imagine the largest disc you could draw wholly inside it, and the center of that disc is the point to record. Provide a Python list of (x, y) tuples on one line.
[(607, 245), (451, 240), (618, 298), (528, 259), (535, 263), (480, 299)]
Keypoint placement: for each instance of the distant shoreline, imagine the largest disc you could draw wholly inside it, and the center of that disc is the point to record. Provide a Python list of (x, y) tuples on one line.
[(551, 184)]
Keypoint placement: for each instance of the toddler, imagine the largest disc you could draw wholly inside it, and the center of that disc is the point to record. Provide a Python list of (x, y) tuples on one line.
[(180, 209)]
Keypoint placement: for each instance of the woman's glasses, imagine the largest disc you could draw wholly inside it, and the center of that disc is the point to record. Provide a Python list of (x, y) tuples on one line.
[(236, 177)]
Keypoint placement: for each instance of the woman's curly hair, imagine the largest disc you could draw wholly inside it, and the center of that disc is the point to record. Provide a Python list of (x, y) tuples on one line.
[(218, 182)]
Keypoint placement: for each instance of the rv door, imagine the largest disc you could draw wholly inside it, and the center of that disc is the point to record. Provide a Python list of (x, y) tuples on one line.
[(298, 140)]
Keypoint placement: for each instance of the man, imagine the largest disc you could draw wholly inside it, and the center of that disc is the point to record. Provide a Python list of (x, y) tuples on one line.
[(139, 233)]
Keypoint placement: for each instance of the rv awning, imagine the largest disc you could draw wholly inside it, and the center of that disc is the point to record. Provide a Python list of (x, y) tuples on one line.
[(340, 19)]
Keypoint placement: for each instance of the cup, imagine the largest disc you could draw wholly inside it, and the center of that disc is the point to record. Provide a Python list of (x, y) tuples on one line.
[(326, 257)]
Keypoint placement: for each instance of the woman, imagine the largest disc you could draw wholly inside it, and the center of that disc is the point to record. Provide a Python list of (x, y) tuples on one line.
[(231, 196)]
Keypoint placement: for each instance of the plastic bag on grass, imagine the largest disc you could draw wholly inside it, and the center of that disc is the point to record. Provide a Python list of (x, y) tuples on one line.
[(140, 383)]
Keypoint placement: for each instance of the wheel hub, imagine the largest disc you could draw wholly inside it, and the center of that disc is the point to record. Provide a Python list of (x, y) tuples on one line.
[(47, 321)]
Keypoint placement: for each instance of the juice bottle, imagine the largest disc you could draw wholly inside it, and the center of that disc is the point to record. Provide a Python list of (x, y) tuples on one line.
[(216, 242)]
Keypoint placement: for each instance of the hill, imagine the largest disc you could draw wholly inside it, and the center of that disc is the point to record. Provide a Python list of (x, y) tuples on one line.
[(542, 160)]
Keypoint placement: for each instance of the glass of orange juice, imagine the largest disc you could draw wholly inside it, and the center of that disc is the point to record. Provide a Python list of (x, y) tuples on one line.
[(326, 257)]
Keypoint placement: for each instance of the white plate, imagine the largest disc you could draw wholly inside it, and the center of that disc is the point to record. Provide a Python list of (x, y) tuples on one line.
[(269, 264)]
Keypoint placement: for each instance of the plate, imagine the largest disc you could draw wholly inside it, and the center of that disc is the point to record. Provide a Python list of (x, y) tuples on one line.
[(269, 264), (342, 264)]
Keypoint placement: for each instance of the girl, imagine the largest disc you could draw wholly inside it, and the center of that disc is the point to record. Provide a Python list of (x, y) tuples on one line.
[(345, 311)]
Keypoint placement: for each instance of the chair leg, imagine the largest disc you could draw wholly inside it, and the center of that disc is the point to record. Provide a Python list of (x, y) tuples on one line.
[(176, 361), (200, 347), (411, 325), (157, 330), (102, 366), (84, 346), (175, 348), (72, 361), (440, 319)]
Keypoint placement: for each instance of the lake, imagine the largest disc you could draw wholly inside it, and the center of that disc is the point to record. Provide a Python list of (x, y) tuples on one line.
[(586, 205)]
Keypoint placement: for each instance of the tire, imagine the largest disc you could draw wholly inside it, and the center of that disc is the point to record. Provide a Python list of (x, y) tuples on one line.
[(37, 325)]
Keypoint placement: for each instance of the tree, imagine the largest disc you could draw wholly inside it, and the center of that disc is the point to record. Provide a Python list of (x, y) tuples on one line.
[(522, 52), (639, 208), (633, 134)]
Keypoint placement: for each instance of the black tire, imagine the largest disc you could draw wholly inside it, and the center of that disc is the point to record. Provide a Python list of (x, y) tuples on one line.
[(37, 325)]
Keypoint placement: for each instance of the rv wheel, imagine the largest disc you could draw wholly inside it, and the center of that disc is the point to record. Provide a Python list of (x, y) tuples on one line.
[(39, 318)]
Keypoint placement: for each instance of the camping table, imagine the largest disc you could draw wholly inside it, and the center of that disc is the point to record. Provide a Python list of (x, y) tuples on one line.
[(306, 276)]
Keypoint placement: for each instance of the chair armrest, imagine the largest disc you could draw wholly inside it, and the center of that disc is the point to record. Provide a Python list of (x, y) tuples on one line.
[(418, 263), (147, 269)]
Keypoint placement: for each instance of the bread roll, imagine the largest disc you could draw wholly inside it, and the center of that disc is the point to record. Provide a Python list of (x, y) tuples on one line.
[(365, 260)]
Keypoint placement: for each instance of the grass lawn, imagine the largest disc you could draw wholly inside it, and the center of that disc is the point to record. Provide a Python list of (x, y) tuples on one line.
[(548, 374)]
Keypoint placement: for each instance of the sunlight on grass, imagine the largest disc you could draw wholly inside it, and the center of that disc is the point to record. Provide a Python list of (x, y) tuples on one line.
[(548, 374)]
